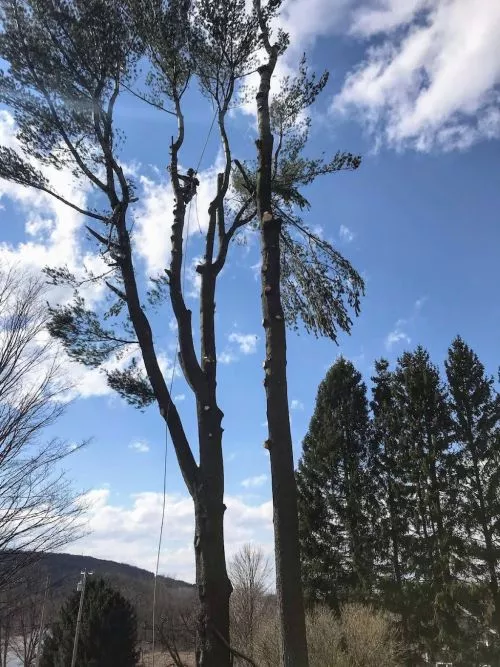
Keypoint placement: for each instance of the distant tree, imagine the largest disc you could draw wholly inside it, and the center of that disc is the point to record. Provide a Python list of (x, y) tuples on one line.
[(388, 470), (475, 408), (108, 632), (38, 512), (334, 491), (435, 552), (249, 571)]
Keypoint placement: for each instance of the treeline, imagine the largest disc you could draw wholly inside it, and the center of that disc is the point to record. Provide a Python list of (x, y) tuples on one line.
[(399, 501)]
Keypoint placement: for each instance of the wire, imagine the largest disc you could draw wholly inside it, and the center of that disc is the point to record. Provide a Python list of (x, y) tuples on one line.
[(206, 142)]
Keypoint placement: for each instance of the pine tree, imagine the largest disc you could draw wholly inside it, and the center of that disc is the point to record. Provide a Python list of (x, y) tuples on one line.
[(108, 632), (334, 491), (475, 407), (389, 468), (433, 554)]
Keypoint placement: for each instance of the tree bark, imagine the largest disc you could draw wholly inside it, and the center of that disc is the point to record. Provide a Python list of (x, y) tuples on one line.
[(286, 534), (214, 587)]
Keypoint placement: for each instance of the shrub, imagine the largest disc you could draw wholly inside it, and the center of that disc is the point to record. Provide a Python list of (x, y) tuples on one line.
[(361, 637)]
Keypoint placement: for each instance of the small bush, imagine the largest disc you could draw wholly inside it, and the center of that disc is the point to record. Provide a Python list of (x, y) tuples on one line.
[(361, 637)]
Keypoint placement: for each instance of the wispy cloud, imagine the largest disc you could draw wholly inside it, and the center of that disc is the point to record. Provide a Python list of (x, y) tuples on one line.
[(405, 88), (296, 404), (139, 446), (396, 336), (400, 331), (247, 343), (346, 234), (179, 397), (253, 482), (226, 357)]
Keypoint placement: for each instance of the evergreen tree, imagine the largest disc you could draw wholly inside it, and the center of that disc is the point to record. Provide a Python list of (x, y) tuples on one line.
[(108, 631), (334, 491), (429, 464), (389, 468), (475, 407)]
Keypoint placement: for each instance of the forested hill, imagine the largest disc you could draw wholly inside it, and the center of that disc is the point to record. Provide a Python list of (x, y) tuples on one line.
[(65, 569)]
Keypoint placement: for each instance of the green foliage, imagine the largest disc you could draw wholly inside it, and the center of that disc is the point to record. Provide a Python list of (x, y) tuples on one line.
[(82, 334), (108, 631), (132, 385), (475, 411), (429, 505), (333, 491), (319, 285), (64, 58)]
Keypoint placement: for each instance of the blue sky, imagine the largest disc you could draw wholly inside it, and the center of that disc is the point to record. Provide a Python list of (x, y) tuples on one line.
[(414, 88)]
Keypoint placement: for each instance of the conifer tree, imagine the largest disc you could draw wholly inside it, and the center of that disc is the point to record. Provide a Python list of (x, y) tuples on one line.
[(108, 630), (334, 491), (475, 409), (389, 468), (434, 552)]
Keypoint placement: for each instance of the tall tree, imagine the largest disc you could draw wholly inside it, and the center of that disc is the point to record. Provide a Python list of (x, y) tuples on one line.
[(334, 491), (389, 468), (314, 279), (68, 63), (475, 409), (108, 631), (434, 554)]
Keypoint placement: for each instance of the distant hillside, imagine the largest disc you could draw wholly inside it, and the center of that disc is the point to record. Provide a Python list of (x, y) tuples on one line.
[(133, 582), (64, 567)]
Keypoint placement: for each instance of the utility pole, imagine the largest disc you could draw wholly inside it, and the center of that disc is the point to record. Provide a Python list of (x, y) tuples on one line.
[(80, 587), (42, 619)]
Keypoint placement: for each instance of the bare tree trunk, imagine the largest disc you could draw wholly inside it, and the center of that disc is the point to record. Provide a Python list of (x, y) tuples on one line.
[(286, 534), (211, 574)]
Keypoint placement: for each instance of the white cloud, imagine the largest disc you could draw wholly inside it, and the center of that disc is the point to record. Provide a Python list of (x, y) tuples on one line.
[(129, 532), (306, 20), (247, 342), (296, 405), (253, 482), (226, 357), (406, 89), (346, 234), (179, 397), (139, 446), (53, 230), (396, 336), (399, 333)]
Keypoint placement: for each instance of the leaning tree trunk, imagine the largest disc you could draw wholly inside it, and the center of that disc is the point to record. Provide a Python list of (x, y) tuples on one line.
[(279, 444)]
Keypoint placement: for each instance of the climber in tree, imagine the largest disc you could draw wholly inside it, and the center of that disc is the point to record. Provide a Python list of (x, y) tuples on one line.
[(190, 184)]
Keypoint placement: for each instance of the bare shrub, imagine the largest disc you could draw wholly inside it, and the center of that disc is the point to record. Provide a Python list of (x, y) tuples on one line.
[(249, 571), (361, 637), (370, 638)]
